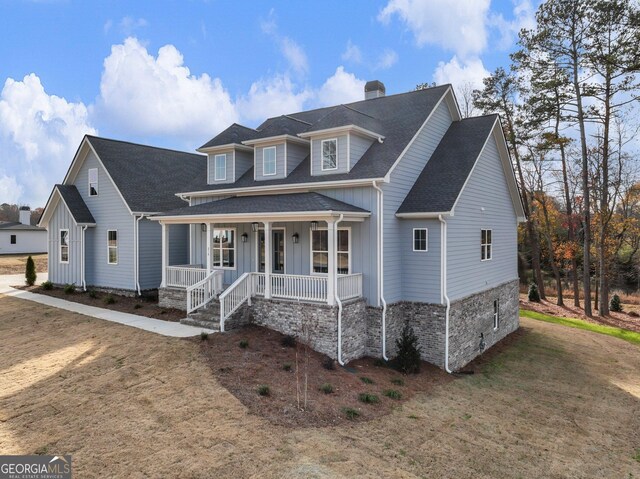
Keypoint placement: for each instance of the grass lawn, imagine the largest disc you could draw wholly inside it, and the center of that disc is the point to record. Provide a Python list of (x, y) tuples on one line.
[(555, 402), (16, 263)]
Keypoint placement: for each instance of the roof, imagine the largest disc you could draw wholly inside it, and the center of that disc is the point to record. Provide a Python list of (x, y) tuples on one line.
[(75, 204), (234, 134), (264, 204), (148, 177), (442, 179), (14, 226), (396, 117)]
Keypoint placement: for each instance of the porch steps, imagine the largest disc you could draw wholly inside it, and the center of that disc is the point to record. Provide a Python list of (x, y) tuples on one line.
[(207, 317)]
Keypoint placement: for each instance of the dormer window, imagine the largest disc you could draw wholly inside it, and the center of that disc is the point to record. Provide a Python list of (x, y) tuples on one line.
[(269, 161), (329, 154), (220, 167), (93, 181)]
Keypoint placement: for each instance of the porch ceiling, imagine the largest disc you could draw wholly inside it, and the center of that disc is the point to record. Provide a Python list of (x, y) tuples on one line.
[(292, 207)]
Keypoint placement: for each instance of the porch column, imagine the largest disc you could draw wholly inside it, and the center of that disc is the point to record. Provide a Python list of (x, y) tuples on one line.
[(268, 258), (332, 260), (165, 253), (209, 246)]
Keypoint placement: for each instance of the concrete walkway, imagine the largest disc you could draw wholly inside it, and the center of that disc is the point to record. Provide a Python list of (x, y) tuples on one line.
[(158, 326)]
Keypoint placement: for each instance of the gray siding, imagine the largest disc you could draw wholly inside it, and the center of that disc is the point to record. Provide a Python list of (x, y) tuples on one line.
[(64, 273), (316, 155), (421, 269), (295, 154), (402, 179), (358, 145), (211, 172), (280, 173), (244, 161), (150, 236), (485, 203)]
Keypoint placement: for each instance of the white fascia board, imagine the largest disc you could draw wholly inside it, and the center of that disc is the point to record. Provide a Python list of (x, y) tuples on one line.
[(342, 129), (250, 217), (278, 138), (419, 215), (228, 146)]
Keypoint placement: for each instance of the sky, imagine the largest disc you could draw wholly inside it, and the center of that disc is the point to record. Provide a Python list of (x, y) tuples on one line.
[(176, 73)]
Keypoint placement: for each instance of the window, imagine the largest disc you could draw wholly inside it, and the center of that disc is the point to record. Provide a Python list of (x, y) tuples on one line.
[(496, 315), (13, 239), (269, 161), (220, 167), (112, 247), (93, 181), (485, 245), (224, 249), (320, 251), (420, 241), (329, 154), (64, 246)]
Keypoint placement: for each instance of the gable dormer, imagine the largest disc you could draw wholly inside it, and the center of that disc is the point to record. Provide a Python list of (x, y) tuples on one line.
[(227, 158)]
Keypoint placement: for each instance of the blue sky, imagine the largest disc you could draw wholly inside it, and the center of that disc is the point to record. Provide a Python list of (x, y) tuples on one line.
[(175, 73)]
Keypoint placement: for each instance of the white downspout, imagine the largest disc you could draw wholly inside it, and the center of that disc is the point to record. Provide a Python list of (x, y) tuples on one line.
[(381, 269), (84, 281), (136, 244), (335, 291), (443, 288)]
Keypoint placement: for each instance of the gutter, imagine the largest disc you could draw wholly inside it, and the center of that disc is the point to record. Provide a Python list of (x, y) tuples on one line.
[(443, 289), (335, 292), (381, 269), (136, 260), (84, 281)]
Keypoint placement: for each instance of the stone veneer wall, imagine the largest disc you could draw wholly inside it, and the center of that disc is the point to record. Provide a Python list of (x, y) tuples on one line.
[(172, 298)]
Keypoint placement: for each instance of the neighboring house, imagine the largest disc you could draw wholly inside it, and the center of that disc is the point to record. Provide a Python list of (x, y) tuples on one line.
[(337, 225), (21, 237)]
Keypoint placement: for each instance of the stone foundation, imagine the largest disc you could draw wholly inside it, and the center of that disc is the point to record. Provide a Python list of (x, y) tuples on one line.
[(172, 298)]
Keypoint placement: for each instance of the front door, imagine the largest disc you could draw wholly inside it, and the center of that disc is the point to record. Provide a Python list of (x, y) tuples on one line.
[(277, 247)]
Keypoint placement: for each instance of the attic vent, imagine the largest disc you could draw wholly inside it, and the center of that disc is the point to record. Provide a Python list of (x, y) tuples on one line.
[(374, 89)]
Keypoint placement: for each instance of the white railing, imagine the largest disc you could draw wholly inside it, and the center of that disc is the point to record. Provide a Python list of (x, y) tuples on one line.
[(202, 292), (299, 287), (185, 275), (236, 295), (350, 286)]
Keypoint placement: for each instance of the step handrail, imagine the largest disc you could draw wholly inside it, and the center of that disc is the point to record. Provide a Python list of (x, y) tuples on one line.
[(201, 293), (240, 292)]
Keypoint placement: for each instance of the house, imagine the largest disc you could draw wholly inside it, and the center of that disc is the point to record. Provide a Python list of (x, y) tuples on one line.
[(337, 225), (20, 237)]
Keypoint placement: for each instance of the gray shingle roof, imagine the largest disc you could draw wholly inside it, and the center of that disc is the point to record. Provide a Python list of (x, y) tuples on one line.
[(399, 116), (14, 226), (149, 177), (283, 125), (295, 202), (76, 205), (344, 115), (234, 134), (443, 177)]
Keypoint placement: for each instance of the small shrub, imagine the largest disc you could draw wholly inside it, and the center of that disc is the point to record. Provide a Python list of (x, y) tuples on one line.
[(380, 363), (30, 272), (93, 293), (397, 381), (48, 285), (204, 335), (137, 306), (264, 390), (408, 357), (534, 294), (615, 304), (69, 288), (287, 367), (244, 344), (109, 300), (633, 314), (288, 341), (352, 414), (366, 380), (368, 398), (392, 393), (329, 364), (326, 388)]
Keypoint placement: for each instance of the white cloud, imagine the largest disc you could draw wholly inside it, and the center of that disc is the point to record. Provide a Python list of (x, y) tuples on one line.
[(145, 95), (523, 17), (387, 59), (128, 25), (458, 25), (271, 97), (291, 51), (341, 87), (39, 133), (458, 73), (352, 53)]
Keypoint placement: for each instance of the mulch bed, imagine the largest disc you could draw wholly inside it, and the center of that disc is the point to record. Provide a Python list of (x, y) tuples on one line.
[(243, 370), (126, 304)]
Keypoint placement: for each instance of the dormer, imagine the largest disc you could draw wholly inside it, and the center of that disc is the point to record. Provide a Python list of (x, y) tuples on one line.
[(227, 158)]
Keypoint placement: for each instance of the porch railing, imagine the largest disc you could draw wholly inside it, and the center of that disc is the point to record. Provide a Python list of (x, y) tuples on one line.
[(185, 275), (299, 287), (236, 295), (201, 293), (350, 286)]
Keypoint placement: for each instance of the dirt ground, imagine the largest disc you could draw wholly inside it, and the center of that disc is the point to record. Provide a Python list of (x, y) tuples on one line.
[(16, 263), (618, 320), (556, 402)]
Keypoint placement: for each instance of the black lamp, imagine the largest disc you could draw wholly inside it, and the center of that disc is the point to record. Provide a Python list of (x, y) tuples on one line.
[(254, 226), (203, 227), (244, 237), (314, 225), (295, 238)]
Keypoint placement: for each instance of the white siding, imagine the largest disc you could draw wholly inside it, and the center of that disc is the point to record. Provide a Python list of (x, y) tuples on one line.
[(27, 241)]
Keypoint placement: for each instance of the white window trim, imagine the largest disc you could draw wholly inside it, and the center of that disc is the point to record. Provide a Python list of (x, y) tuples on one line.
[(215, 167), (311, 250), (483, 245), (275, 160), (426, 230), (496, 314), (322, 168), (109, 247), (60, 246), (257, 246), (89, 182), (235, 248)]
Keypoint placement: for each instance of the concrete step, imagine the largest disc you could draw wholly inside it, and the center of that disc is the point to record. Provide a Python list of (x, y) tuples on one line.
[(202, 323)]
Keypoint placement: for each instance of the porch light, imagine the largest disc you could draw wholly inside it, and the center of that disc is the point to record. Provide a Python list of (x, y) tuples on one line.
[(244, 237), (254, 227), (314, 225), (295, 238), (203, 227)]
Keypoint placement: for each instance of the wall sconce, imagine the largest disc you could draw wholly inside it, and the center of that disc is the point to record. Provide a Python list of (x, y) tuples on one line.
[(314, 225), (244, 237), (295, 238), (254, 227), (203, 227)]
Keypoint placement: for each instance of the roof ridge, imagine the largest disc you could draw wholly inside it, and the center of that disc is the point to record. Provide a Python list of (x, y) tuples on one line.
[(297, 119), (143, 145), (358, 111)]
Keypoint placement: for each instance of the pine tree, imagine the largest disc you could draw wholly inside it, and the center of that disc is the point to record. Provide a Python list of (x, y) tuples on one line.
[(408, 357), (30, 273), (615, 304), (534, 296)]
